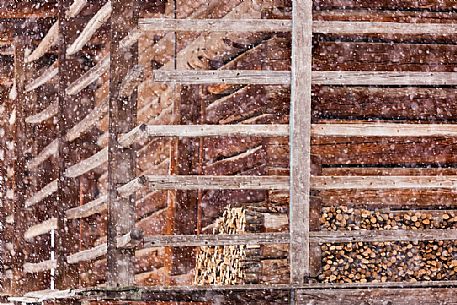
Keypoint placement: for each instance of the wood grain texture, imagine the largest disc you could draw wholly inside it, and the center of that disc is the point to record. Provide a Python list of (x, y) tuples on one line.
[(300, 135), (348, 27)]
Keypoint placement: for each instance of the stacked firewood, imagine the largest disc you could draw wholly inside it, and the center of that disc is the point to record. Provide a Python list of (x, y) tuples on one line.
[(387, 261), (250, 264)]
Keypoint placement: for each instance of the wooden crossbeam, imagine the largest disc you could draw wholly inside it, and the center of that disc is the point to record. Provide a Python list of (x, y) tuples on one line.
[(145, 131), (88, 164), (89, 77), (52, 149), (363, 27), (93, 207), (383, 235), (40, 267), (215, 240), (205, 182), (215, 25), (100, 18), (45, 77), (44, 115), (382, 182), (223, 76), (46, 191), (87, 255), (385, 130), (41, 228), (90, 120)]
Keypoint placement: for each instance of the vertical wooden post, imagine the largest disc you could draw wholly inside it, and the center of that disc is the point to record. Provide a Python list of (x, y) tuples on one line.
[(71, 110), (121, 161), (300, 127), (19, 168)]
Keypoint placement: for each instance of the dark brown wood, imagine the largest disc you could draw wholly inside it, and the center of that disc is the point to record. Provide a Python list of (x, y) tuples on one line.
[(121, 162)]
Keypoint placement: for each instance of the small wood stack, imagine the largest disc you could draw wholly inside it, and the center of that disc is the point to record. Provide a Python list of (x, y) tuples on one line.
[(387, 261), (252, 264)]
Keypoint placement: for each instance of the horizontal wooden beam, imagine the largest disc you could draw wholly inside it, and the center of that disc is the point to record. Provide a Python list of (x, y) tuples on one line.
[(215, 25), (383, 182), (93, 207), (145, 131), (205, 183), (253, 77), (52, 149), (100, 18), (382, 235), (384, 130), (88, 164), (40, 267), (215, 240), (46, 191), (43, 115), (44, 295), (41, 228), (87, 255), (90, 120), (363, 27), (386, 78), (45, 77)]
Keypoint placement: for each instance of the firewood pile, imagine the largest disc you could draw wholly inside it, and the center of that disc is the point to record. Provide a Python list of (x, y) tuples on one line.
[(363, 262), (250, 264)]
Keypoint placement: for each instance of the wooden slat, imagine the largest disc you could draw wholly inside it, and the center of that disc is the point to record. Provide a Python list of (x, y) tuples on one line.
[(100, 18), (387, 78), (382, 235), (40, 267), (88, 164), (131, 81), (51, 149), (41, 228), (144, 131), (223, 76), (350, 27), (87, 255), (215, 25), (215, 240), (300, 134), (44, 115), (385, 130), (46, 44), (205, 183), (93, 207), (383, 182), (45, 77), (90, 120), (89, 77), (75, 8), (46, 191)]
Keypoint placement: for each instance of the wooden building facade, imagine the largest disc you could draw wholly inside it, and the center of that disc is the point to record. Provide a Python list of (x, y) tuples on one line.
[(245, 151)]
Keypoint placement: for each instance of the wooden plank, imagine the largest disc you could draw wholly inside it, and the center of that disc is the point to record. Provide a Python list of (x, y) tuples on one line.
[(215, 25), (46, 191), (222, 77), (121, 162), (131, 81), (44, 115), (384, 130), (205, 182), (215, 240), (100, 18), (89, 121), (300, 146), (52, 149), (40, 267), (383, 182), (386, 78), (87, 255), (144, 131), (93, 207), (46, 44), (45, 77), (382, 235), (75, 8), (41, 228), (352, 27), (88, 164), (89, 77)]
